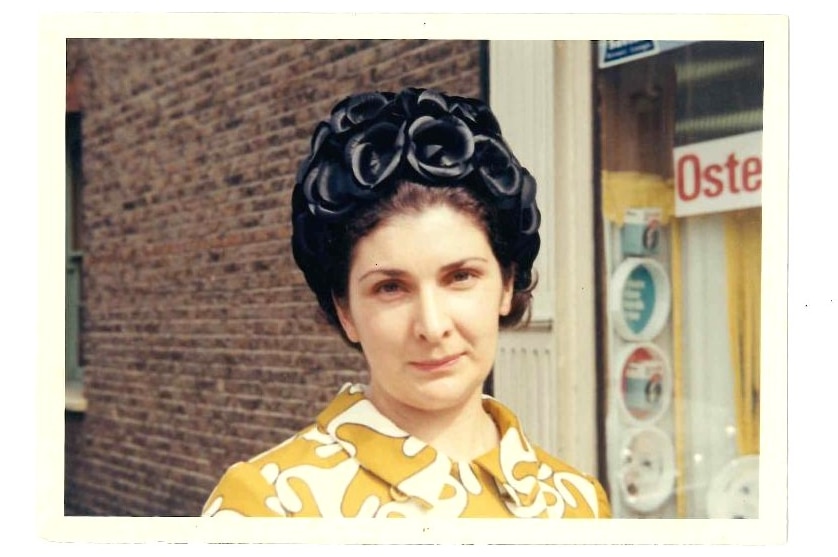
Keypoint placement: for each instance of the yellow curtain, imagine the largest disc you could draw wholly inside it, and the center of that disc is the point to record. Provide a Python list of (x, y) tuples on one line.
[(743, 240), (678, 369)]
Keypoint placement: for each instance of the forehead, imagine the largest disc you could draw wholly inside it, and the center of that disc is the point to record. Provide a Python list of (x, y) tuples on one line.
[(436, 232)]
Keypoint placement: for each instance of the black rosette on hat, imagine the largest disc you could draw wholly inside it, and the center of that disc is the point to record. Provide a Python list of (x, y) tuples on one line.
[(321, 134), (375, 153), (530, 215), (440, 149), (372, 155), (476, 115), (498, 169), (330, 191), (431, 103), (412, 103), (354, 111)]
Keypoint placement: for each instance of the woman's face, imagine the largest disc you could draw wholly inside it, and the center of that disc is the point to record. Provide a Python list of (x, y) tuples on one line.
[(424, 297)]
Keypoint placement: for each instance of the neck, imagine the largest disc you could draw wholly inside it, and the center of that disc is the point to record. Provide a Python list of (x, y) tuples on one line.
[(462, 433)]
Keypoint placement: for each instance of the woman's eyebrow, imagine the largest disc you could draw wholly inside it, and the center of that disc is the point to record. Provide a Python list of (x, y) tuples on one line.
[(462, 262), (396, 273), (391, 273)]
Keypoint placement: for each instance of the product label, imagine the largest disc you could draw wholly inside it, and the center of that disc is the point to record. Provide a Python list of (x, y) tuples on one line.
[(643, 379), (640, 234), (638, 299)]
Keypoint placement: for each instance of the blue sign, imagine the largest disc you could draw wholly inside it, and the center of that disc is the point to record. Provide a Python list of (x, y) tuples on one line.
[(616, 51), (612, 53)]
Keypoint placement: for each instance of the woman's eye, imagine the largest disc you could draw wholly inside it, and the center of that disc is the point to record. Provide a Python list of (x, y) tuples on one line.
[(462, 276), (388, 288)]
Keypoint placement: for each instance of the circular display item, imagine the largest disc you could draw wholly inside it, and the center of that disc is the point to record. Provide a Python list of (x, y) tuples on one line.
[(647, 474), (734, 491), (645, 382), (639, 299)]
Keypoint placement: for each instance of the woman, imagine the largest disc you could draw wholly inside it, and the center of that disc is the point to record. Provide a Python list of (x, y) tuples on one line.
[(416, 228)]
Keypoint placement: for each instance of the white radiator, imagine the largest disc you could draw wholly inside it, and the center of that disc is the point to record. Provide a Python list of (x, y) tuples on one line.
[(526, 380)]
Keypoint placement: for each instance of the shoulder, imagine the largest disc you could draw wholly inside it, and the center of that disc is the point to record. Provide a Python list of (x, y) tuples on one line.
[(571, 479), (557, 464), (295, 477), (249, 488), (584, 494)]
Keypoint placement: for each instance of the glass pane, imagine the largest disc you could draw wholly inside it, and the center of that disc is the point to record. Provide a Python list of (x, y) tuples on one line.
[(680, 148)]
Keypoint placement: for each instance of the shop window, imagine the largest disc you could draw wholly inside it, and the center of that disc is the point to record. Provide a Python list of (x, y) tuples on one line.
[(680, 149)]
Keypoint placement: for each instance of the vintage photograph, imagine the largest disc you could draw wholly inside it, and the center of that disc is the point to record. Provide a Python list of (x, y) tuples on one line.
[(424, 278)]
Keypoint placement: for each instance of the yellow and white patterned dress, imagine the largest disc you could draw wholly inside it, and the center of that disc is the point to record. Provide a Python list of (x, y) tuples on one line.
[(354, 462)]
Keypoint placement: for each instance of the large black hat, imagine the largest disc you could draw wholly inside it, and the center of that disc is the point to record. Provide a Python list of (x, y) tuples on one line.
[(372, 141)]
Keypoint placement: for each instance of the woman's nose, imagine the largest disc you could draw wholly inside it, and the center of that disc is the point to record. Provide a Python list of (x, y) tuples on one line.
[(432, 322)]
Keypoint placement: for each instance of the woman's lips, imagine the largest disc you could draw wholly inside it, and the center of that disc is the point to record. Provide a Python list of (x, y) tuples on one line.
[(436, 364)]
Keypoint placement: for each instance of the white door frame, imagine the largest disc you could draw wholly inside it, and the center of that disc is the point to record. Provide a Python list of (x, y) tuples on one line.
[(541, 92)]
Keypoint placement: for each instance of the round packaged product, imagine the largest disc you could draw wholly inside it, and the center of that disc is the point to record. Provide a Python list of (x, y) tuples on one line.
[(645, 382), (639, 299), (647, 473), (734, 491)]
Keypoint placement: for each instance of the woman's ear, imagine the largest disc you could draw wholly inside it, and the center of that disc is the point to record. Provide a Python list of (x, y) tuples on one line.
[(506, 296), (345, 318)]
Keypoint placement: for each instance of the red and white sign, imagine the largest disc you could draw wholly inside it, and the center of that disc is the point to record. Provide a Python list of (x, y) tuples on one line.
[(718, 175)]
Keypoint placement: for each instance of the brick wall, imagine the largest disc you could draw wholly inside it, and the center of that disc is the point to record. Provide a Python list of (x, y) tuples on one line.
[(201, 343)]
